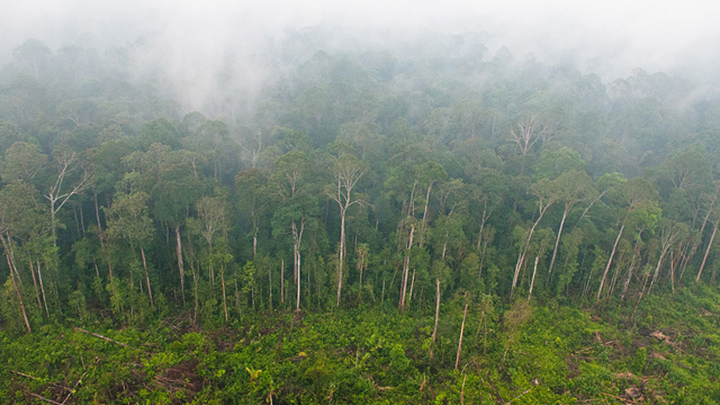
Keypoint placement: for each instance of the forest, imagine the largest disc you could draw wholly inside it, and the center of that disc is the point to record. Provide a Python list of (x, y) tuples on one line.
[(444, 225)]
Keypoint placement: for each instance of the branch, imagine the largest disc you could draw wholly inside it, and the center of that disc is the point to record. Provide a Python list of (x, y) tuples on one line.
[(75, 386), (535, 382), (100, 336), (591, 204), (45, 399)]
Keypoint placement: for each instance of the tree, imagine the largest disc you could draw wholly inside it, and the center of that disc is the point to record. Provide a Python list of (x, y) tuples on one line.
[(220, 258), (253, 198), (670, 232), (22, 163), (296, 203), (174, 192), (128, 218), (715, 219), (66, 163), (636, 196), (546, 193), (528, 131), (211, 211), (16, 205), (574, 187), (34, 54), (347, 170), (462, 332)]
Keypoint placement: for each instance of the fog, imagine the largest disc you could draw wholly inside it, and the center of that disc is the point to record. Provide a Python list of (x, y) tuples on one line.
[(190, 43)]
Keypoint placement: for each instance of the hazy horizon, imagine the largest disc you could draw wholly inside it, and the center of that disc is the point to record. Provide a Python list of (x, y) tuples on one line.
[(192, 41)]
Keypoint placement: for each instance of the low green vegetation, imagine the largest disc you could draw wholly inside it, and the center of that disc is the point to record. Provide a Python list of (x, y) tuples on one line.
[(666, 353)]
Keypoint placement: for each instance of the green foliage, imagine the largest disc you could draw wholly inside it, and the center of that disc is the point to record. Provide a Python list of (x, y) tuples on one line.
[(640, 360), (461, 163)]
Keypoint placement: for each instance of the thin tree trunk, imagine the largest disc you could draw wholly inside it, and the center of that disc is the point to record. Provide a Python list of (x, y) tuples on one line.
[(382, 293), (406, 269), (437, 309), (642, 292), (557, 241), (532, 283), (696, 243), (147, 276), (521, 256), (197, 297), (82, 221), (516, 274), (412, 288), (297, 307), (181, 265), (42, 288), (672, 271), (222, 280), (707, 252), (630, 269), (15, 286), (270, 287), (342, 253), (462, 331), (482, 227), (35, 285), (424, 219), (609, 263), (657, 269), (444, 249), (282, 281)]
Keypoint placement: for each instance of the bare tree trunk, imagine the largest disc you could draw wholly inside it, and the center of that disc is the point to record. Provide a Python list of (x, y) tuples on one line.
[(282, 281), (609, 263), (222, 280), (406, 269), (631, 269), (412, 288), (297, 308), (437, 309), (532, 283), (516, 274), (42, 288), (197, 297), (147, 276), (482, 226), (696, 243), (444, 249), (521, 256), (342, 253), (12, 276), (270, 287), (181, 265), (557, 241), (462, 331), (707, 252), (657, 269), (424, 219), (35, 285), (642, 292), (672, 271)]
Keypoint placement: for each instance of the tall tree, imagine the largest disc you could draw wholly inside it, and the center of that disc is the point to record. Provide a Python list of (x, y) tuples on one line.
[(634, 196), (546, 194), (66, 163), (347, 170), (574, 187), (128, 218)]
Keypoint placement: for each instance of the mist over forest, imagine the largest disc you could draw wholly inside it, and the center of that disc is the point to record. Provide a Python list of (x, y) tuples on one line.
[(397, 202)]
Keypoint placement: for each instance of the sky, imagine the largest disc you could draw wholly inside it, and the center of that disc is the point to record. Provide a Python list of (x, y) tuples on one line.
[(607, 37)]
